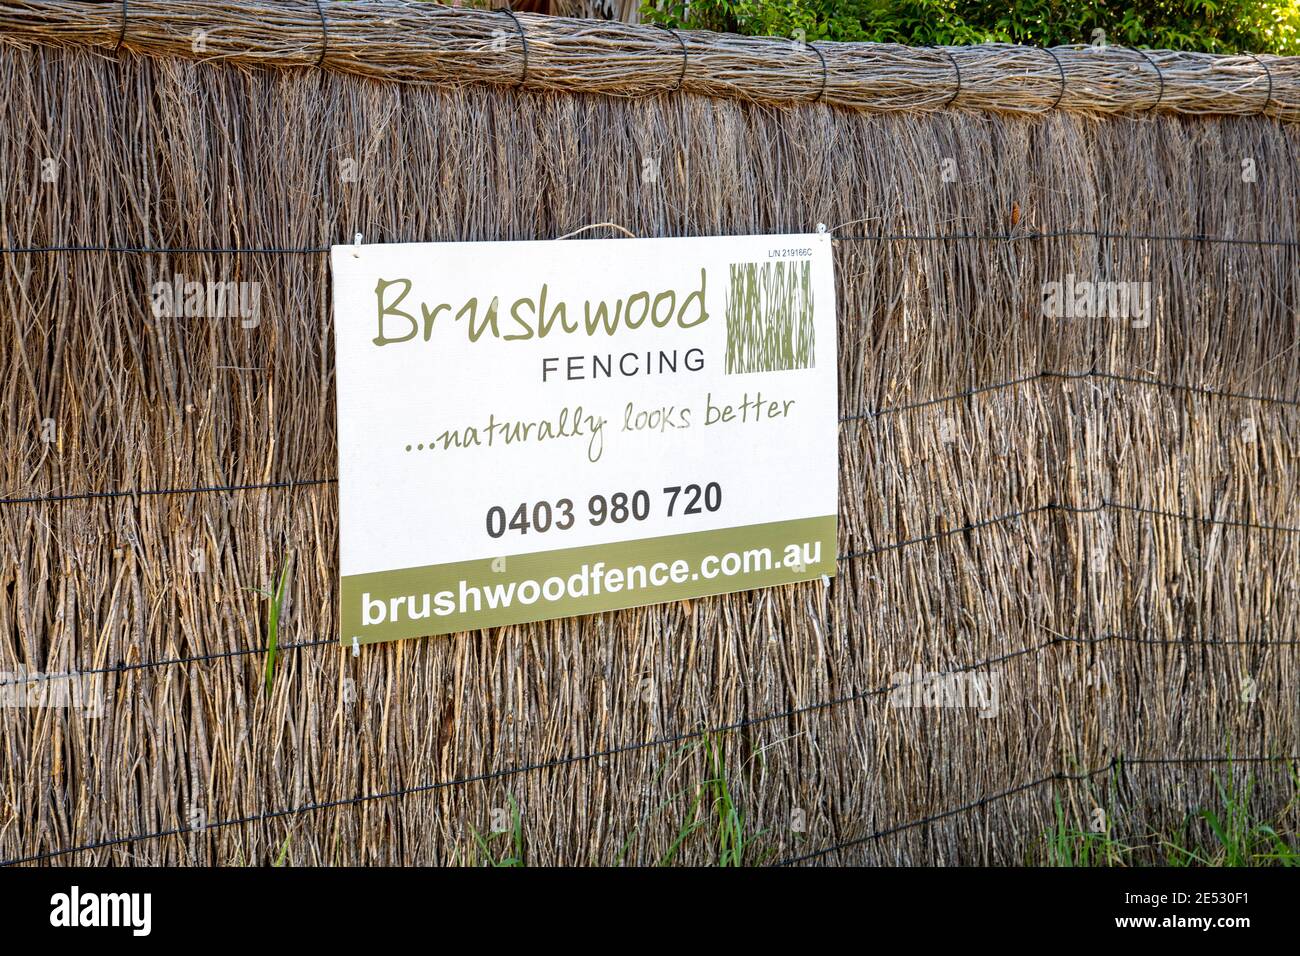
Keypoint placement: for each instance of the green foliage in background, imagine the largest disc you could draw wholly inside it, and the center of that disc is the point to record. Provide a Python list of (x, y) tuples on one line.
[(1215, 26)]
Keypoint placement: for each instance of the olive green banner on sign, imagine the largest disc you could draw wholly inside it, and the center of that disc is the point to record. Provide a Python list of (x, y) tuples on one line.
[(446, 598)]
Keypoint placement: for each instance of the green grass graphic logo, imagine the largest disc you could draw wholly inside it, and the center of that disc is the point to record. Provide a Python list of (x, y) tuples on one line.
[(769, 317)]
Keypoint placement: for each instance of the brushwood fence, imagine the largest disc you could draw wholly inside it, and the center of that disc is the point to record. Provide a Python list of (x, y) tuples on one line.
[(1100, 514)]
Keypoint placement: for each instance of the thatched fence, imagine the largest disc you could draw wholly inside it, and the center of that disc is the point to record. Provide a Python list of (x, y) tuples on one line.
[(423, 43), (1100, 515)]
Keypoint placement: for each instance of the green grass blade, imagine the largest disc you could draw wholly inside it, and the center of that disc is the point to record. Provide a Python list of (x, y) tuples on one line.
[(273, 625)]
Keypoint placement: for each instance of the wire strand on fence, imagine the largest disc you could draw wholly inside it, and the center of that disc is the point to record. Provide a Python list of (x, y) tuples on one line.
[(1071, 376), (176, 250), (1026, 235), (1221, 522), (853, 417), (825, 73), (123, 667), (841, 558), (121, 36), (324, 34), (1115, 763), (956, 69), (523, 40), (1160, 75), (1066, 234), (946, 532), (1268, 96), (923, 821), (158, 492), (1087, 640), (1060, 95)]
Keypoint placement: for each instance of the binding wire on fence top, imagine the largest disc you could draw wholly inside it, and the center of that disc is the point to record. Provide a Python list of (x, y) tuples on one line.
[(427, 43)]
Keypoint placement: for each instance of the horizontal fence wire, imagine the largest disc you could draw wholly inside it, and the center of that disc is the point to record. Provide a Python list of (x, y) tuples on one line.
[(861, 416), (157, 492), (1026, 235), (1115, 764), (1100, 234), (849, 556), (124, 668), (171, 250), (868, 415)]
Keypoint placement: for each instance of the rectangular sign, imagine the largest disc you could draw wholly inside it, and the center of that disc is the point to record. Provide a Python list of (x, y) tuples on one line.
[(534, 430)]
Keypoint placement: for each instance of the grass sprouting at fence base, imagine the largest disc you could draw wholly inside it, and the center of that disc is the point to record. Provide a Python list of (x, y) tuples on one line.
[(1228, 832), (486, 850)]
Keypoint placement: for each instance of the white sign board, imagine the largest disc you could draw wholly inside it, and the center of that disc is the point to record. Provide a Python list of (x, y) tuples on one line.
[(533, 430)]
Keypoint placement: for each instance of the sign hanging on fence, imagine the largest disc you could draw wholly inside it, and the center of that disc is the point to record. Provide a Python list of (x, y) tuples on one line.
[(534, 430)]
